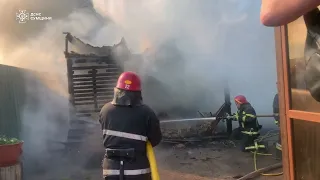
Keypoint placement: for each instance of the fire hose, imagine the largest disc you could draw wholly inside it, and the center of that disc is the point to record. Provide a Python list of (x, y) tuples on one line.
[(257, 171), (150, 152), (255, 153), (152, 162), (209, 118)]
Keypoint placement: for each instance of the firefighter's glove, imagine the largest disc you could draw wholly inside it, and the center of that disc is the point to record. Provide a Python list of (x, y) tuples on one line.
[(234, 117), (230, 117)]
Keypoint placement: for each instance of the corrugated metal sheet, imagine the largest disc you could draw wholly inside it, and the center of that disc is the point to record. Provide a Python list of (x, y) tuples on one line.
[(12, 99)]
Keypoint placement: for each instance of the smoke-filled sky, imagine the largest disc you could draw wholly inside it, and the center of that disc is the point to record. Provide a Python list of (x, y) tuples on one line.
[(220, 39)]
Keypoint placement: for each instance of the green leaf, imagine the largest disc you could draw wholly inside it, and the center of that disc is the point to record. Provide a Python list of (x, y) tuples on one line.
[(6, 140)]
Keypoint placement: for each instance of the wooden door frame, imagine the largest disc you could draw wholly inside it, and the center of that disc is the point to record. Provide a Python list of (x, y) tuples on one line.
[(285, 123), (286, 114)]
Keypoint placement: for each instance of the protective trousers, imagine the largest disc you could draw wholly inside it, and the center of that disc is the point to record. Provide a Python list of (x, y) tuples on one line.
[(144, 177), (119, 172), (278, 144), (246, 141), (128, 174), (279, 148)]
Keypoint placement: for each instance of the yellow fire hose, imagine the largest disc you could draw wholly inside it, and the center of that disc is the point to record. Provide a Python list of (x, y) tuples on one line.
[(152, 162), (255, 164), (255, 153)]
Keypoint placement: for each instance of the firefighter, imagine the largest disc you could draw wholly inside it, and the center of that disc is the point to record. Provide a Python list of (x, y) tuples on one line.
[(276, 109), (248, 130), (127, 125), (277, 117)]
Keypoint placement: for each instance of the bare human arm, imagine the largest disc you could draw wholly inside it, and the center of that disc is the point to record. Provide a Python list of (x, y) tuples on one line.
[(281, 12)]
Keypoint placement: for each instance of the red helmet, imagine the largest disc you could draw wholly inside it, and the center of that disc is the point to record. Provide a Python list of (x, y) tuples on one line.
[(240, 99), (129, 81)]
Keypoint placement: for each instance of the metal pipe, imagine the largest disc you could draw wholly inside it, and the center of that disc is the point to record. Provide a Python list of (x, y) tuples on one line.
[(266, 115)]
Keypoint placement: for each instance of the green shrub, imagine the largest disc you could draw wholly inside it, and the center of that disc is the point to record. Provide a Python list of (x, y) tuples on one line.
[(6, 140)]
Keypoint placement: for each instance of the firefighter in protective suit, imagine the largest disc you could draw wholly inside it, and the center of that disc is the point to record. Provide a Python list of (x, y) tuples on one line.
[(275, 108), (248, 130), (127, 125)]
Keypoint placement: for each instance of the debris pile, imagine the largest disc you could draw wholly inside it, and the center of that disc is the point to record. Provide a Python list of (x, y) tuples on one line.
[(201, 129), (193, 128)]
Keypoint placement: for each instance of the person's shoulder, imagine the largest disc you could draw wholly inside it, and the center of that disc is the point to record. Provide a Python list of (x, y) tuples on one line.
[(107, 107), (147, 108), (249, 107)]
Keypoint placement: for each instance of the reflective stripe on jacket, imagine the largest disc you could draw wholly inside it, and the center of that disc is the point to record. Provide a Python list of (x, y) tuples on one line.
[(247, 119), (125, 135), (135, 172)]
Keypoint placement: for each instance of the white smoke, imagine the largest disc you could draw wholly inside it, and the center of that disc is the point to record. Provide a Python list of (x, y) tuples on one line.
[(215, 40), (218, 40)]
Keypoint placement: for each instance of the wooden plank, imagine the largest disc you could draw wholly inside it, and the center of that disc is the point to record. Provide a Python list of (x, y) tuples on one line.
[(105, 90), (112, 75), (90, 82), (104, 78), (110, 87), (11, 173), (283, 100), (257, 173), (305, 116), (91, 94), (287, 98), (306, 149)]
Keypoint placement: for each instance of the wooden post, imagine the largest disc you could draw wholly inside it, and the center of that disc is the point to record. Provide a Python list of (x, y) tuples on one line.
[(11, 172)]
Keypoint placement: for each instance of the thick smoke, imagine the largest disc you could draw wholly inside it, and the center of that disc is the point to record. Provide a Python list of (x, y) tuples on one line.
[(204, 41), (215, 40), (38, 47)]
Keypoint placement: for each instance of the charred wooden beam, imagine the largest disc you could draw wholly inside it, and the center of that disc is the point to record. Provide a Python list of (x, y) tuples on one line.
[(106, 82), (91, 98), (108, 74), (108, 66), (97, 78), (109, 87), (93, 90)]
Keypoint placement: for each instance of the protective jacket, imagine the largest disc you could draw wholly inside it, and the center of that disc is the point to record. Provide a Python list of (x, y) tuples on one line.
[(248, 128), (246, 116), (312, 53), (128, 124), (276, 108)]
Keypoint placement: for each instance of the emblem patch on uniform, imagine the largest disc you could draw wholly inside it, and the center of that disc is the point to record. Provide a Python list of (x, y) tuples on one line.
[(128, 82)]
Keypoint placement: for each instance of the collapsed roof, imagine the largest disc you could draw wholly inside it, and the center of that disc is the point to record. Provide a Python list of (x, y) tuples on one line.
[(82, 48)]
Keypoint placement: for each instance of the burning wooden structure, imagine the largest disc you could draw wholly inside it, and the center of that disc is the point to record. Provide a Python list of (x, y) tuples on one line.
[(91, 79)]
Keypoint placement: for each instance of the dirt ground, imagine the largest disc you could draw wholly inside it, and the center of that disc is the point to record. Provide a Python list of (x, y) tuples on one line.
[(218, 160), (215, 160)]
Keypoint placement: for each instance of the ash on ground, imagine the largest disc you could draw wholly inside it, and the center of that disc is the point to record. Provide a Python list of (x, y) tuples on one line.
[(191, 129), (188, 131), (219, 160)]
